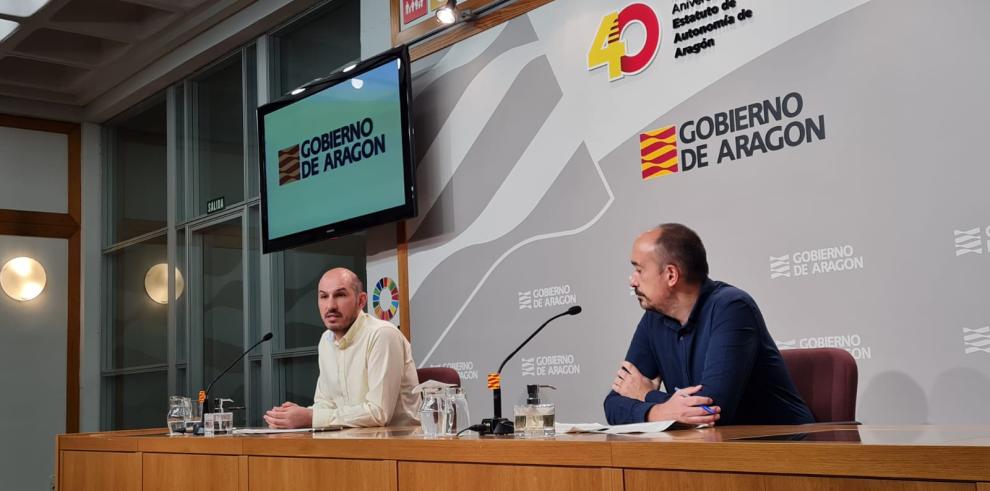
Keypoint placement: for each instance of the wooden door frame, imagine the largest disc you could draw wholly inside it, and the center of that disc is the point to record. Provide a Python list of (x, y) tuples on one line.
[(58, 226)]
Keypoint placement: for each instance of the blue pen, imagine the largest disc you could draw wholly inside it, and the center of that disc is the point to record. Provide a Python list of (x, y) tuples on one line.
[(706, 408)]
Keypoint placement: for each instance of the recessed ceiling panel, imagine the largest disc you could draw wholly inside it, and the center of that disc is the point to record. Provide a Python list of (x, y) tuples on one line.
[(70, 47), (38, 73), (71, 51), (108, 12)]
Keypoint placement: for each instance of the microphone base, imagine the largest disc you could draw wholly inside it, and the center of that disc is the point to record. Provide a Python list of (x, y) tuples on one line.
[(497, 426), (198, 429)]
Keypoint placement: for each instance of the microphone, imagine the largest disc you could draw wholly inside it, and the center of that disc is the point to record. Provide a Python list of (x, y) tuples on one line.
[(498, 425), (206, 393)]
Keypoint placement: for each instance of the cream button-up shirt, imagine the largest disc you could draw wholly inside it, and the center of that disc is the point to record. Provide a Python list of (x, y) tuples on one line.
[(366, 377)]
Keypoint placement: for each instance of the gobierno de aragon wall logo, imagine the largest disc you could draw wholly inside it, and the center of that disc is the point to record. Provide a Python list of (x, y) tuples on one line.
[(609, 48)]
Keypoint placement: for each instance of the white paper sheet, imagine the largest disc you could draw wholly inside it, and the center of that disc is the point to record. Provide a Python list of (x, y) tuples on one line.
[(651, 427), (268, 431)]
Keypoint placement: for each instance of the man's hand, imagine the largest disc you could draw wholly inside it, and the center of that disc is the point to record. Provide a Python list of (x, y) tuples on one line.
[(684, 407), (632, 384), (289, 415)]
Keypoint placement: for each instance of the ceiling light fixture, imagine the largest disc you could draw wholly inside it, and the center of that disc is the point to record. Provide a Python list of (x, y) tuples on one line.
[(7, 27), (448, 13), (23, 278), (21, 8)]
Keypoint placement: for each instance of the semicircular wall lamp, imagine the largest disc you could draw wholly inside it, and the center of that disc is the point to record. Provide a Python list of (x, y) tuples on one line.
[(23, 278)]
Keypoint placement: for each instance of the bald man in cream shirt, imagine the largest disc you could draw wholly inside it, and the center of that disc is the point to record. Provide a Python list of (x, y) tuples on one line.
[(366, 368)]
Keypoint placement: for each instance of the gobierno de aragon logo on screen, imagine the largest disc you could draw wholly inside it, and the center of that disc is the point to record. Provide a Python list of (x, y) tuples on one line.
[(348, 144), (609, 47)]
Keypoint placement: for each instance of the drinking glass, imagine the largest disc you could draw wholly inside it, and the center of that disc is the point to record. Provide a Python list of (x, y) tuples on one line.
[(458, 417), (224, 423), (520, 414), (430, 412), (210, 421), (546, 415), (179, 412), (195, 416)]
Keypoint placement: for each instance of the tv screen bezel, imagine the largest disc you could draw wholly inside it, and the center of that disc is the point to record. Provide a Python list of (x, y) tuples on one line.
[(362, 222)]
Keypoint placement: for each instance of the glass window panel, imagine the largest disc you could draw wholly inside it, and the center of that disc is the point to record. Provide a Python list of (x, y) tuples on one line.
[(138, 400), (223, 304), (303, 268), (138, 322), (219, 134), (251, 102), (137, 171), (299, 376), (179, 130), (318, 44), (181, 281), (181, 384), (254, 272), (254, 404)]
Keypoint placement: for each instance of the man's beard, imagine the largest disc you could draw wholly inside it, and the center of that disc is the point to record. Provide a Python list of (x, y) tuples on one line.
[(645, 304), (343, 326)]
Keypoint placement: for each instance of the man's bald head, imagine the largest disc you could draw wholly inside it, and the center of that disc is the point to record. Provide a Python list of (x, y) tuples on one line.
[(346, 276), (340, 299), (676, 244)]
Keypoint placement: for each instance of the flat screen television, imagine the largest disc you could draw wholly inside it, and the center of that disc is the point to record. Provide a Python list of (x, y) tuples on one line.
[(336, 156)]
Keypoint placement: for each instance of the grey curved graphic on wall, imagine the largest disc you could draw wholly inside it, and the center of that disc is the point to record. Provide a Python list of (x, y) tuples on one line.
[(507, 133), (442, 94), (844, 232)]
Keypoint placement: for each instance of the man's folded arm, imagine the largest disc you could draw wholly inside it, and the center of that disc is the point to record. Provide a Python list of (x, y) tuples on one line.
[(730, 356), (620, 410), (624, 410)]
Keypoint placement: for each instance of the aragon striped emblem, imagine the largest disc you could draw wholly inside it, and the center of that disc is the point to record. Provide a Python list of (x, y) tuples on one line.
[(494, 381), (658, 149), (288, 165)]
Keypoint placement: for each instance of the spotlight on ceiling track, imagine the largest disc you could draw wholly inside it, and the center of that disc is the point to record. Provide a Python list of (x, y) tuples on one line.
[(448, 13)]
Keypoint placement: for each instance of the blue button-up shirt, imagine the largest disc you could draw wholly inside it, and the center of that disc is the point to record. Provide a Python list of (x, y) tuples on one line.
[(726, 348)]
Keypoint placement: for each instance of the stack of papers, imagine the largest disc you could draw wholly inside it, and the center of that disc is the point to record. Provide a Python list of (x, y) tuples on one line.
[(651, 427), (269, 431)]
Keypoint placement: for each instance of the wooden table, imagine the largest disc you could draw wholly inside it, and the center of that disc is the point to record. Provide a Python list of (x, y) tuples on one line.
[(868, 458)]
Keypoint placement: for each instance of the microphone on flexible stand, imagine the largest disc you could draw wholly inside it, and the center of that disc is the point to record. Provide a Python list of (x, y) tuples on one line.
[(204, 395), (497, 425)]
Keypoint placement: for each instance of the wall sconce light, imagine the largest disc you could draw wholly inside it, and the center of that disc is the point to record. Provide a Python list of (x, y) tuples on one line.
[(23, 278), (156, 283)]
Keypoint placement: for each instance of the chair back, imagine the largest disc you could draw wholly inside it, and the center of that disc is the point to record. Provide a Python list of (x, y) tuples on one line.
[(440, 374), (826, 379)]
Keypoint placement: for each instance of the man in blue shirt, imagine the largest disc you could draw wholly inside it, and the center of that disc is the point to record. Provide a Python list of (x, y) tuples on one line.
[(704, 340)]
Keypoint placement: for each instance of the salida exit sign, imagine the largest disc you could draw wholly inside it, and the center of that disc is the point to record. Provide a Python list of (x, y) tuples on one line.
[(412, 10)]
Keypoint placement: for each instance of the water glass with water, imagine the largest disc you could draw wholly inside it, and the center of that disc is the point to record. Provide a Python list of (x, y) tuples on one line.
[(179, 413), (196, 416), (431, 412), (210, 421), (457, 415), (224, 423)]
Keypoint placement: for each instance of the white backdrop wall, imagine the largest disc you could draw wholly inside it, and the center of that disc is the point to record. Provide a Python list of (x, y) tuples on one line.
[(857, 218), (33, 164)]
